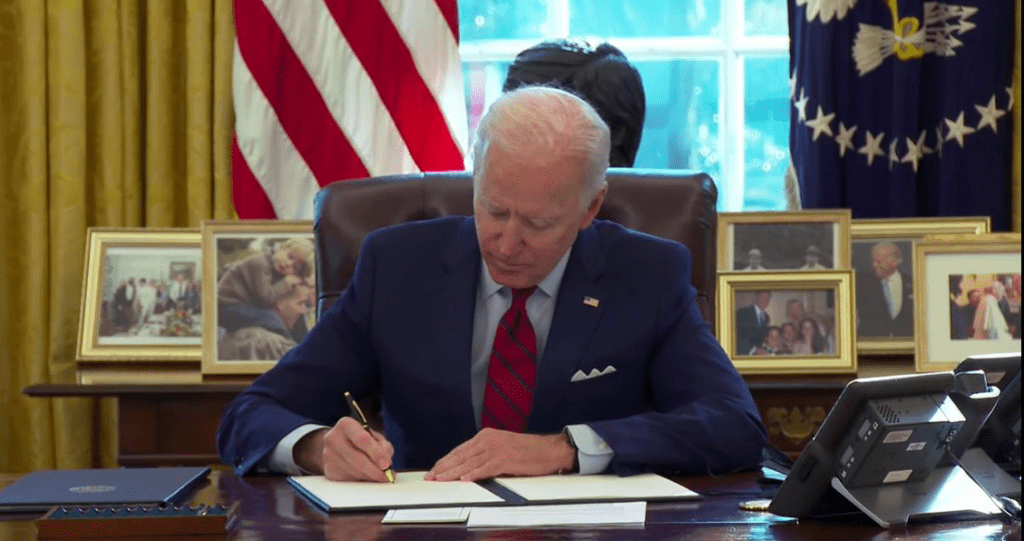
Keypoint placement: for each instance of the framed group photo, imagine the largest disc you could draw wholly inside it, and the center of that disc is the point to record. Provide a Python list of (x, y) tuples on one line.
[(262, 297), (882, 255), (141, 296), (784, 241), (969, 301), (793, 322)]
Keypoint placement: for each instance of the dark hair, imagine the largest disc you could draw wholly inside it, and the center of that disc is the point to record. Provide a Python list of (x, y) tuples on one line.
[(600, 75), (954, 283), (817, 341)]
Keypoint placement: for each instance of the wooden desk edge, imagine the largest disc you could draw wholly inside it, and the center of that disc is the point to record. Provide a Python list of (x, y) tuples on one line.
[(78, 390)]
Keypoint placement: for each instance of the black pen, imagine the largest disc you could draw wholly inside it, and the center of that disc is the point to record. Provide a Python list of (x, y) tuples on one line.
[(357, 413)]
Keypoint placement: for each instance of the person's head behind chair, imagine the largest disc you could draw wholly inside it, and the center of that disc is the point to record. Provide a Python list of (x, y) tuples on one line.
[(539, 161), (599, 74)]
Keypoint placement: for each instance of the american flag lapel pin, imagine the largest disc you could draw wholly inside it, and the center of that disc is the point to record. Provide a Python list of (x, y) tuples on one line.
[(591, 302)]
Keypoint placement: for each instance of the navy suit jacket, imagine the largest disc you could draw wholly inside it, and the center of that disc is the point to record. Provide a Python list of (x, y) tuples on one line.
[(749, 333), (873, 319), (403, 329)]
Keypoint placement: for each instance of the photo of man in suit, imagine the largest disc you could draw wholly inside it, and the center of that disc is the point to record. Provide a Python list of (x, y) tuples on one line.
[(754, 260), (752, 324), (885, 300), (474, 331)]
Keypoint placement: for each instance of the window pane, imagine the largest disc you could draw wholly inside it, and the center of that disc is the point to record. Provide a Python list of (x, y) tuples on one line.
[(645, 18), (766, 134), (502, 19), (765, 18), (483, 82), (681, 125)]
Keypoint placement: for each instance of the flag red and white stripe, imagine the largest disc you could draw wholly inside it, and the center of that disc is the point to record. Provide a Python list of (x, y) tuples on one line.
[(327, 90)]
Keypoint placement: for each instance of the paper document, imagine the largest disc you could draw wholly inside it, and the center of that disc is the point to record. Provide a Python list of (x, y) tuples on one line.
[(581, 488), (423, 516), (630, 513), (408, 490)]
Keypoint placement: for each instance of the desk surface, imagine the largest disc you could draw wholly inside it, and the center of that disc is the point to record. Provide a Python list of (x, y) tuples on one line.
[(272, 511)]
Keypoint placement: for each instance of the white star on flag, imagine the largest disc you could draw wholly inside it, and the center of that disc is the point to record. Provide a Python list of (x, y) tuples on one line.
[(989, 114), (872, 147), (845, 139), (957, 129), (801, 106), (938, 139), (821, 124), (915, 150), (1009, 101), (893, 157)]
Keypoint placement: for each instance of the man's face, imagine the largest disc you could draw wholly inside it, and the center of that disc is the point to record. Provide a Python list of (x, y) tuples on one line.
[(295, 305), (773, 339), (754, 259), (763, 299), (528, 213), (974, 297), (811, 259), (884, 261)]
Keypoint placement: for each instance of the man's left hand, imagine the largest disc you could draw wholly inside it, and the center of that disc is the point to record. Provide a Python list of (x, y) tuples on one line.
[(495, 452)]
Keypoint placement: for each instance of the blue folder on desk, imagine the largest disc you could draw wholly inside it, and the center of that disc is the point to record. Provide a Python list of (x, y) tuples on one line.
[(41, 490)]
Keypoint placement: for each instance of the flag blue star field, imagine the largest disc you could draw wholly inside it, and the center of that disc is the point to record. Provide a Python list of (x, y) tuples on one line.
[(900, 107)]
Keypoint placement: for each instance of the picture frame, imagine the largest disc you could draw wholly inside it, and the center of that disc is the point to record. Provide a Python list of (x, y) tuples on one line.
[(123, 317), (952, 323), (893, 240), (805, 241), (262, 297), (825, 315)]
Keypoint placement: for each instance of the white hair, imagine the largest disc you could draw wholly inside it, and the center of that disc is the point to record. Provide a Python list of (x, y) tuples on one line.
[(537, 117)]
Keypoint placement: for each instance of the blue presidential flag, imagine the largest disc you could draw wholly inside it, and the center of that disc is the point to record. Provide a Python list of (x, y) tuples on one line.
[(901, 107)]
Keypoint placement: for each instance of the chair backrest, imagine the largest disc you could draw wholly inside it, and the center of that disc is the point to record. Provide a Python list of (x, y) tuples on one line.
[(671, 204)]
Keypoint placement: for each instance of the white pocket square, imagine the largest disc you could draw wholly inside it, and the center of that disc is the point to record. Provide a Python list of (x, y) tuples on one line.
[(594, 373)]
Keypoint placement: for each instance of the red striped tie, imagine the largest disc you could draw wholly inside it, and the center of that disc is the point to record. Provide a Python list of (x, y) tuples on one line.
[(512, 373)]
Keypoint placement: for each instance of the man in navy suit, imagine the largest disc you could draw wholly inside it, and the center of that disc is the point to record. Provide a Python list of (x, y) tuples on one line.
[(752, 323), (885, 300), (629, 377)]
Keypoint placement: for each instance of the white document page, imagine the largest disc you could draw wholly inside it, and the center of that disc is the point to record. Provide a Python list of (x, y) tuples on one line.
[(567, 488), (422, 516), (630, 513), (408, 490)]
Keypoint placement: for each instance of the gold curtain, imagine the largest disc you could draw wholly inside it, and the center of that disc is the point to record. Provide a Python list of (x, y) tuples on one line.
[(114, 113)]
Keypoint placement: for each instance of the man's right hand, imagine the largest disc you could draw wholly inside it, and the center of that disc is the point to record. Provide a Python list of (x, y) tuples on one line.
[(346, 452)]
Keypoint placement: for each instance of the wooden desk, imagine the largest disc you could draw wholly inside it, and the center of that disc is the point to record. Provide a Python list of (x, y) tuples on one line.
[(159, 425), (272, 511), (168, 425)]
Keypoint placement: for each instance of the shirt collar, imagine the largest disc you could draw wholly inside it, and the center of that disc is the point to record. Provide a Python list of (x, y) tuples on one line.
[(549, 285)]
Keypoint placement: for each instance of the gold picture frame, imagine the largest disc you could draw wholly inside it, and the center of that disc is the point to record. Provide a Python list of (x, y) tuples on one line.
[(825, 299), (804, 241), (947, 268), (123, 317), (255, 312), (886, 334)]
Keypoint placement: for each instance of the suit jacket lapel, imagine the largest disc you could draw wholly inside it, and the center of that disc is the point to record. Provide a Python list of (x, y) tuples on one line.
[(571, 328), (455, 299)]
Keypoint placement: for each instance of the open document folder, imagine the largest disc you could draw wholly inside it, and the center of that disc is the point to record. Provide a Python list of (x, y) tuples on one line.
[(410, 490)]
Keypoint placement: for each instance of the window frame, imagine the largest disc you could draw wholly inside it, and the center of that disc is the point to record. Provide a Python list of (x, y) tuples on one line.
[(730, 51)]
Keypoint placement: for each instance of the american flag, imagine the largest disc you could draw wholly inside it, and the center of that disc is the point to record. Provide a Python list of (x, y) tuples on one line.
[(326, 90)]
